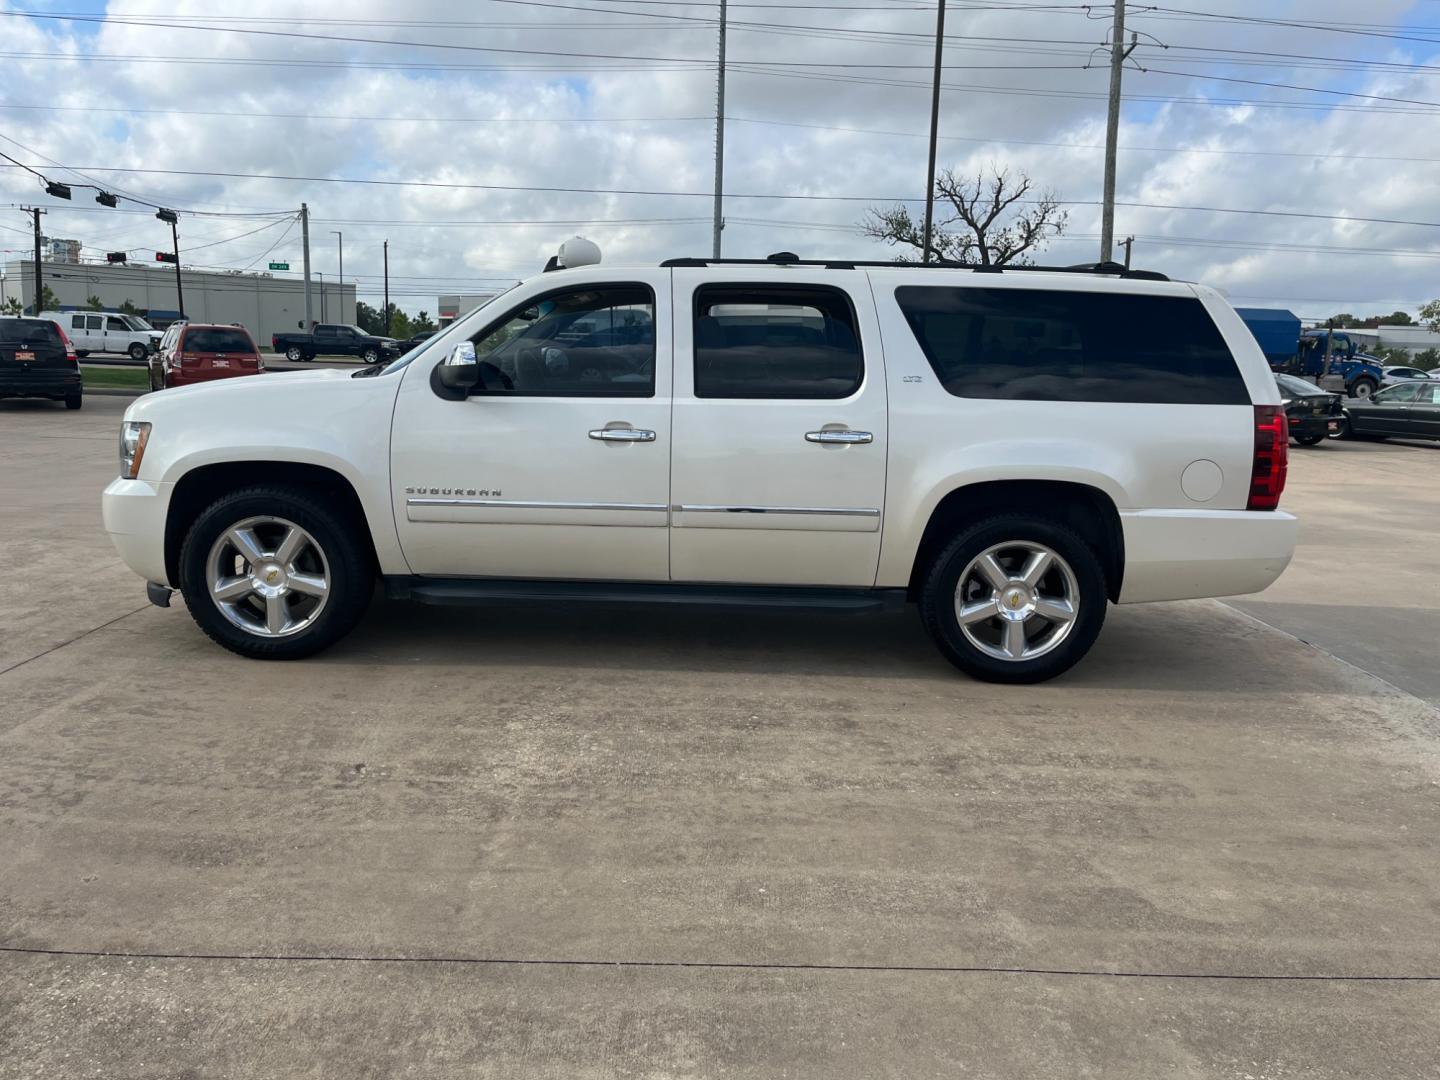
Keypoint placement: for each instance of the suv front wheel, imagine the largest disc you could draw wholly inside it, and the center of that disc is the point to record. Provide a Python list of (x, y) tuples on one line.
[(274, 573), (1014, 599)]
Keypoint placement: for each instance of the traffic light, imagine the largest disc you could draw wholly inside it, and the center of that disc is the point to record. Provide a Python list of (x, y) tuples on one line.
[(168, 216), (106, 199), (60, 191), (116, 257), (165, 256)]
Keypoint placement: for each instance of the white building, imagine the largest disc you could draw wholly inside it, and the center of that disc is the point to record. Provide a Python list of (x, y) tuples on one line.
[(260, 302)]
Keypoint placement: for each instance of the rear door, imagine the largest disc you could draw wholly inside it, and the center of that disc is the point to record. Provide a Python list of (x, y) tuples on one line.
[(95, 332), (327, 340), (79, 336), (31, 351), (1425, 413), (778, 466)]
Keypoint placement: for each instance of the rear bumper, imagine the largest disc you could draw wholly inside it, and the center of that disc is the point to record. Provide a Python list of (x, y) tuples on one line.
[(134, 513), (1304, 426), (184, 377), (1182, 554), (56, 384)]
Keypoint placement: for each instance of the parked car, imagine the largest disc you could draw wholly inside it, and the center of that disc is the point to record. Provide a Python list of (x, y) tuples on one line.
[(417, 340), (38, 360), (1313, 413), (336, 339), (1394, 375), (1410, 410), (106, 331), (1011, 450), (201, 352)]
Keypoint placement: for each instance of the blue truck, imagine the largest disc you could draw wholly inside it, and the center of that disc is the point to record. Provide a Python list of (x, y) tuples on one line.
[(1289, 349)]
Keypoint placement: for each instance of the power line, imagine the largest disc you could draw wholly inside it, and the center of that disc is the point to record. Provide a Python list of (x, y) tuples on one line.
[(366, 181)]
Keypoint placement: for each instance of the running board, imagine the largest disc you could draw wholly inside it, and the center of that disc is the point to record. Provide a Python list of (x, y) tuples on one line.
[(466, 591)]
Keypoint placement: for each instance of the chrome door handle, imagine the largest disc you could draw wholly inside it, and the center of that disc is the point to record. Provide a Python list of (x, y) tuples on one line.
[(839, 436), (622, 434)]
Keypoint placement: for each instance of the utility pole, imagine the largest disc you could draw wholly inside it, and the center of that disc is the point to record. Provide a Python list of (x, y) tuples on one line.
[(35, 212), (387, 288), (1128, 243), (934, 129), (1118, 54), (305, 242), (322, 296), (179, 284), (720, 138)]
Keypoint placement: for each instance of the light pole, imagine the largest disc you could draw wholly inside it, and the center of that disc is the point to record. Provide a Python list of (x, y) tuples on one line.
[(934, 129), (340, 248)]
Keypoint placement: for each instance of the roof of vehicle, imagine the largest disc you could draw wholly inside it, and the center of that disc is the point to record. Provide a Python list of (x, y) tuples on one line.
[(785, 258), (214, 326)]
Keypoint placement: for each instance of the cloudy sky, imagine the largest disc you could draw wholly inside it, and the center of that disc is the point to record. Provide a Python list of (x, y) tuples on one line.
[(439, 124)]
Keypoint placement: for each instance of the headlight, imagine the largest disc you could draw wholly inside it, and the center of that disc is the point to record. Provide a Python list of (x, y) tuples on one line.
[(133, 437)]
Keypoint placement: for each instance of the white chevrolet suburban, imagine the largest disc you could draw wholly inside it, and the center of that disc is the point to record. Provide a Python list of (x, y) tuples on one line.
[(1011, 449)]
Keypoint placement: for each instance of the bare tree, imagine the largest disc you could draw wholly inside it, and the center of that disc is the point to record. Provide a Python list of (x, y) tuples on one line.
[(984, 228)]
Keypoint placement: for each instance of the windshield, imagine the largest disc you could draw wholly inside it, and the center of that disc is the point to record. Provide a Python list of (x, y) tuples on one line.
[(440, 335), (136, 323)]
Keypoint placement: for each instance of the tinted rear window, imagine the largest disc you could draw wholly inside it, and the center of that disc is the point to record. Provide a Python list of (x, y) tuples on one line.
[(218, 341), (28, 332), (1040, 345)]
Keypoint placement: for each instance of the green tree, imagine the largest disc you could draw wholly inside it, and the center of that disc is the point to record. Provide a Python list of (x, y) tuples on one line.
[(94, 303), (1427, 359), (12, 306), (129, 308), (1398, 318), (1430, 316), (422, 324), (1343, 321), (368, 318), (48, 300), (980, 225)]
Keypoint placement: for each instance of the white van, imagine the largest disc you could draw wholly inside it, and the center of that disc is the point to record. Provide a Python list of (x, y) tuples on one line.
[(107, 331)]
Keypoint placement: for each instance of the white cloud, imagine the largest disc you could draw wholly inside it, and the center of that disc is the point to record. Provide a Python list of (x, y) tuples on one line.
[(156, 130)]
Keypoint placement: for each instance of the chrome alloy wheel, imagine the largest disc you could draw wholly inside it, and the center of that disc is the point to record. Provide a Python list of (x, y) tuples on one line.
[(1017, 600), (268, 576)]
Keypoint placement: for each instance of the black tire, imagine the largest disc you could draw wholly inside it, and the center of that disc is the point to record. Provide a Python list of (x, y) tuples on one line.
[(1362, 388), (73, 401), (351, 570), (294, 355), (1309, 440), (937, 598), (371, 356), (137, 351)]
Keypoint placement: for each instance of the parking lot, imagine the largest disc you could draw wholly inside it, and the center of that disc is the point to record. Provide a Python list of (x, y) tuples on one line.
[(589, 842)]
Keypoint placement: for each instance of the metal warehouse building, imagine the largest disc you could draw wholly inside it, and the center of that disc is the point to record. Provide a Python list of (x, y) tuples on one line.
[(263, 304)]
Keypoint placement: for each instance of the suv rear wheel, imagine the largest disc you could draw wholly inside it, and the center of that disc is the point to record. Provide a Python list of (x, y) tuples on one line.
[(274, 573), (1014, 599)]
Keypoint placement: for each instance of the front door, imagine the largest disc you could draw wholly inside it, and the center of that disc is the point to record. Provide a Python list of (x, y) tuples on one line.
[(1388, 412), (558, 464), (118, 335), (778, 472)]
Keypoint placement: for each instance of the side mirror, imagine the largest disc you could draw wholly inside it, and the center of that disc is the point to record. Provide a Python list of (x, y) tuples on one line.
[(455, 376)]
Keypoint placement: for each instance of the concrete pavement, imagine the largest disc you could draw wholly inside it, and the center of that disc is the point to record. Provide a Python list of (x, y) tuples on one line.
[(523, 841)]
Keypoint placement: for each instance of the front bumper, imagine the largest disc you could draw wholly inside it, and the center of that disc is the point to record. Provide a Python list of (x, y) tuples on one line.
[(1183, 554), (134, 513)]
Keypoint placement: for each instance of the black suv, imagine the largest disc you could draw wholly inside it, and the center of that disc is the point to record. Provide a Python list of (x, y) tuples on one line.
[(37, 360)]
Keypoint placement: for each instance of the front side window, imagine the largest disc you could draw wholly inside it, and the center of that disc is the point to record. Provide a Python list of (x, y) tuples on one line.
[(775, 341), (597, 341), (113, 323), (1049, 345), (1398, 394)]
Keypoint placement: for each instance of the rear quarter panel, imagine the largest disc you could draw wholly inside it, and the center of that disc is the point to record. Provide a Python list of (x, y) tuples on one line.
[(1134, 453)]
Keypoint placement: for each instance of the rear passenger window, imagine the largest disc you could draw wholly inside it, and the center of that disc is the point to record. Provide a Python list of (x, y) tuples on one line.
[(1040, 345), (775, 341), (77, 322)]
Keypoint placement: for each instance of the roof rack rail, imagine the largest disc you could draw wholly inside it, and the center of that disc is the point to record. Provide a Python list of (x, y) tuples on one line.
[(784, 258)]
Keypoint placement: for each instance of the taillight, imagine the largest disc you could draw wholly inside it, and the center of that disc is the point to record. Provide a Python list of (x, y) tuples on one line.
[(69, 345), (274, 343), (1272, 457)]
